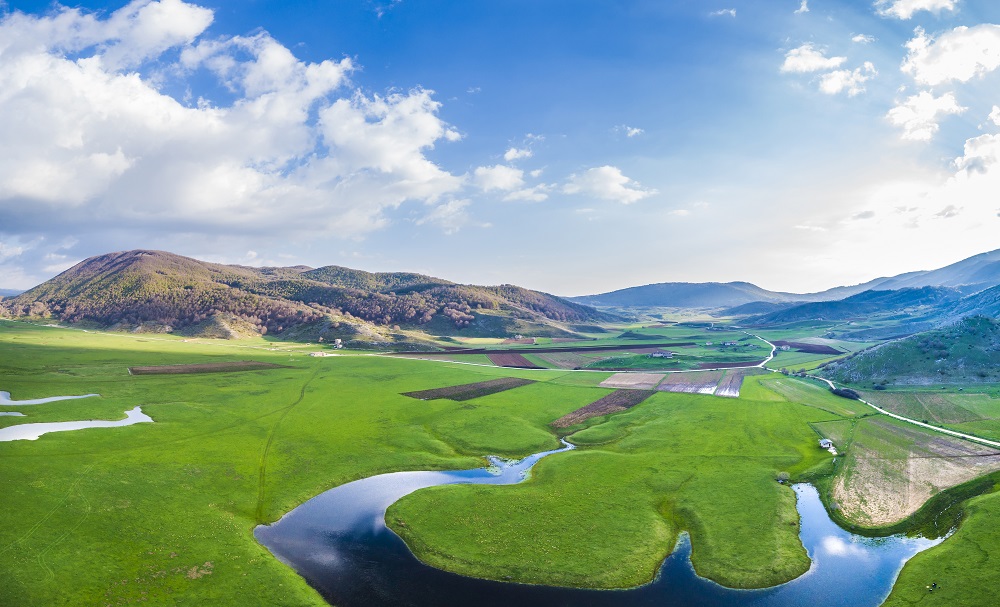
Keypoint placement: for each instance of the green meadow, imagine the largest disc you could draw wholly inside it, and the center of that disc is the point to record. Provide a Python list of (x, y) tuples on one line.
[(163, 513)]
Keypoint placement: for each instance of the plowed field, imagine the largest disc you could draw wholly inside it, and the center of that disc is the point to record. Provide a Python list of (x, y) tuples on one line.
[(470, 391), (619, 400)]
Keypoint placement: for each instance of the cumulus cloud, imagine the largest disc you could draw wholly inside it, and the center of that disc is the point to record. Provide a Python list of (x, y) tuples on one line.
[(803, 7), (918, 115), (995, 115), (852, 81), (536, 193), (863, 39), (806, 58), (89, 137), (513, 154), (905, 9), (606, 183), (725, 12), (498, 177), (961, 54)]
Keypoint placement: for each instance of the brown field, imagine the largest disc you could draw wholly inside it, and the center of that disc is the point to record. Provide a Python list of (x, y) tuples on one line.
[(892, 469), (703, 382), (633, 381), (526, 341), (470, 391), (511, 359), (808, 348), (618, 400), (241, 365)]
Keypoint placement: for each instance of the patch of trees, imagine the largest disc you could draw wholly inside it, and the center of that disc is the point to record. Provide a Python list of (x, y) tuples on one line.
[(846, 393)]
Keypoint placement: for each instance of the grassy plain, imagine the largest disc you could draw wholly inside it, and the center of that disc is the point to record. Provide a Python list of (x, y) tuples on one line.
[(163, 513), (610, 512)]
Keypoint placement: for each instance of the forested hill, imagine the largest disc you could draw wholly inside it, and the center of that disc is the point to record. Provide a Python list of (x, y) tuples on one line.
[(157, 290)]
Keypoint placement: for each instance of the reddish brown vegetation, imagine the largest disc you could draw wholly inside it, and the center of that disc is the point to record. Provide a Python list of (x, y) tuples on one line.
[(749, 363), (619, 400), (511, 359), (470, 391), (525, 341), (242, 365)]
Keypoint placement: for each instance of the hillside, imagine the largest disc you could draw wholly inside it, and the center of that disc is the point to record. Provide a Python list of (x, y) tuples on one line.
[(160, 291), (967, 351), (915, 303), (967, 276)]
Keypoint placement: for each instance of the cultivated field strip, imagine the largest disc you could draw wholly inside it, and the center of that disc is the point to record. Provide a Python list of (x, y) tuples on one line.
[(699, 382), (633, 381), (619, 400), (470, 391), (512, 360)]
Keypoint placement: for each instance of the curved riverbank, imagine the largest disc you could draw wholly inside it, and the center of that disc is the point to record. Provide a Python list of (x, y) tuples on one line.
[(340, 544)]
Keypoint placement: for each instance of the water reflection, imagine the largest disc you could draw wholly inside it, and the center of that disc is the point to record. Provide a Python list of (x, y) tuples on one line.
[(339, 543), (33, 431), (7, 402)]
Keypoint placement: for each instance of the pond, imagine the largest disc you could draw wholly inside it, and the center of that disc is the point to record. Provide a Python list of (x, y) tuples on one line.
[(33, 431), (339, 543)]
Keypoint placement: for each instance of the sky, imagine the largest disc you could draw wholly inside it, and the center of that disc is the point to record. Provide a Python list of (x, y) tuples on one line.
[(571, 147)]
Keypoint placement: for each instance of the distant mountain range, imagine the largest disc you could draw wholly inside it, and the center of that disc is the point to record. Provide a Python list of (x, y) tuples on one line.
[(159, 291), (967, 276), (10, 292)]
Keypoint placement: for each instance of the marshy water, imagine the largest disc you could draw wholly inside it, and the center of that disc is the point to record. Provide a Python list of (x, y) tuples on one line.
[(5, 400), (33, 431), (339, 543)]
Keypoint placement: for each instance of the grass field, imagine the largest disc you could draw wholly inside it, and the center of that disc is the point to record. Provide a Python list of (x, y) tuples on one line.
[(163, 513)]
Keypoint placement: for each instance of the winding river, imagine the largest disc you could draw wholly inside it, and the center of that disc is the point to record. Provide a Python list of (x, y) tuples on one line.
[(339, 543)]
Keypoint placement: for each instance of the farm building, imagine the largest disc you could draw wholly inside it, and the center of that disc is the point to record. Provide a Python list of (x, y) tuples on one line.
[(825, 443), (661, 354)]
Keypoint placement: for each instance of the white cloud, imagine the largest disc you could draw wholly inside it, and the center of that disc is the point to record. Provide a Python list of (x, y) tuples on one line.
[(725, 12), (88, 135), (918, 114), (805, 59), (513, 154), (803, 7), (846, 80), (904, 9), (961, 54), (498, 177), (680, 213), (629, 131), (450, 216), (536, 193), (995, 115), (607, 183), (981, 154), (863, 38)]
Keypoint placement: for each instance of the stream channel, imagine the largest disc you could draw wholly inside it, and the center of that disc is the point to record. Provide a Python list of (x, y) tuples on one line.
[(339, 543)]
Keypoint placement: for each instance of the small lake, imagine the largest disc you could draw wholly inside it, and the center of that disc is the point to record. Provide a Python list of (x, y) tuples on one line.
[(5, 400), (33, 431), (339, 543)]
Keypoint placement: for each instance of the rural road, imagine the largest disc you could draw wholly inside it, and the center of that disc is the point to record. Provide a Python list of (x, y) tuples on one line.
[(903, 418)]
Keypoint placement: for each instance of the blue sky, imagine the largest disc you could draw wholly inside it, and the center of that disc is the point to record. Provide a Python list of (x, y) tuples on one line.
[(573, 147)]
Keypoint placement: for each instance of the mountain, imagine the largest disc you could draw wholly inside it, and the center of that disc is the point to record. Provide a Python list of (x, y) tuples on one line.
[(914, 303), (685, 295), (968, 276), (160, 291), (967, 351), (10, 292)]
